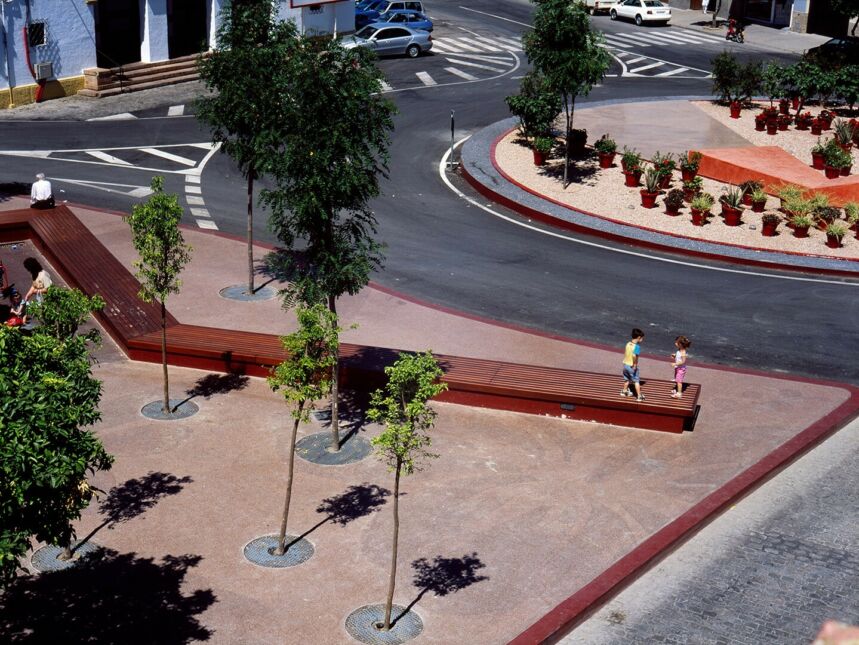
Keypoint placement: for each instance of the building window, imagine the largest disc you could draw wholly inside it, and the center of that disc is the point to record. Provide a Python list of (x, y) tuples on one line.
[(37, 34), (316, 8)]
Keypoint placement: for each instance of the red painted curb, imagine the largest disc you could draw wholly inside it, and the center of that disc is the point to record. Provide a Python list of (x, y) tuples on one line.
[(558, 622), (540, 216)]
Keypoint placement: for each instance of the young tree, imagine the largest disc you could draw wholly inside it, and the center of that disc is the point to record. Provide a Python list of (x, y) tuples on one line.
[(47, 397), (63, 311), (244, 105), (536, 105), (336, 131), (402, 406), (304, 377), (163, 254), (565, 48)]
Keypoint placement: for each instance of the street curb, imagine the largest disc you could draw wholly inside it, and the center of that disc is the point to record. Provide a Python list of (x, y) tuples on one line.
[(479, 168), (567, 615)]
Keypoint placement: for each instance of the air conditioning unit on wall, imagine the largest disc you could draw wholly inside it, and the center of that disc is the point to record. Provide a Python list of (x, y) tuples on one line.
[(44, 71)]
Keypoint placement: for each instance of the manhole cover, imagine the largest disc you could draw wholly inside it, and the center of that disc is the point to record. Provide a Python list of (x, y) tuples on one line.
[(261, 551), (179, 409), (315, 448), (361, 625), (48, 557), (240, 292)]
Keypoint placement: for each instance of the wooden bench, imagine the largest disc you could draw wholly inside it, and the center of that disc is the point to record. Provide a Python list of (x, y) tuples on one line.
[(85, 263)]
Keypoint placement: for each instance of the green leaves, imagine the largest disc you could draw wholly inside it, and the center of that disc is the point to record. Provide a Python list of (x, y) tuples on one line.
[(735, 81), (536, 105), (62, 311), (402, 406), (157, 239)]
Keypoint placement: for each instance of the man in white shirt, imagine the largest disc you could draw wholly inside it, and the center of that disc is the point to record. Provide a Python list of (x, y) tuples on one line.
[(41, 195)]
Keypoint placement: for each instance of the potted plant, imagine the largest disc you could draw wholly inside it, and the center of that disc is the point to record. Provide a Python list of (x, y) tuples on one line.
[(761, 121), (834, 233), (736, 108), (606, 149), (748, 187), (800, 225), (732, 206), (690, 161), (851, 212), (630, 158), (817, 155), (835, 159), (784, 106), (803, 120), (826, 118), (664, 164), (772, 126), (769, 224), (578, 140), (632, 175), (825, 215), (784, 121), (651, 187), (692, 188), (759, 200), (788, 193), (816, 127), (673, 201), (541, 148), (844, 131), (700, 208)]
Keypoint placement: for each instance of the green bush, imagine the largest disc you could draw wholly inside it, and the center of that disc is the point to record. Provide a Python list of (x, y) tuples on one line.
[(536, 105)]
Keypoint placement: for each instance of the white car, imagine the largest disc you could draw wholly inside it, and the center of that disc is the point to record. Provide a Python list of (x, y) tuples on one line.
[(641, 11), (599, 6)]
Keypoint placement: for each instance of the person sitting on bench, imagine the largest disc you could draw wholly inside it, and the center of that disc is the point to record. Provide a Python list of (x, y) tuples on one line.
[(41, 195)]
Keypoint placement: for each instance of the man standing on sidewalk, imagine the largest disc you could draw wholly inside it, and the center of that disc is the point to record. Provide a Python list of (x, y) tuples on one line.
[(41, 194)]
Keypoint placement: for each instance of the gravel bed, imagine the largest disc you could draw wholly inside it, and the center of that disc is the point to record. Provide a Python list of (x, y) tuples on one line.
[(602, 192), (797, 142)]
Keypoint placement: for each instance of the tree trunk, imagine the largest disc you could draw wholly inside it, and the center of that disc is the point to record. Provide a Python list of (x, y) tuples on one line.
[(251, 230), (335, 381), (393, 579), (567, 143), (281, 539), (164, 357), (67, 552)]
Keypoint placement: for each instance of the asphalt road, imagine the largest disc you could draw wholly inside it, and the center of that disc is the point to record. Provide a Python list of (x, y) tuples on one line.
[(444, 251)]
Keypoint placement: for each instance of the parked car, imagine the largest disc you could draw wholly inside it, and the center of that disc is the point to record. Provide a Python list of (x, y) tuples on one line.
[(368, 12), (391, 41), (641, 11), (372, 11), (411, 19), (835, 52), (599, 6)]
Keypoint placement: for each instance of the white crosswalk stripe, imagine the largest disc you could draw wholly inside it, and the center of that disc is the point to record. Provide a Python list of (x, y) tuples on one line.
[(207, 224), (619, 43), (176, 110), (453, 45), (496, 44), (386, 87), (475, 44), (169, 156), (502, 59), (644, 67), (672, 72), (460, 73), (477, 65), (425, 78), (635, 60), (669, 36), (699, 34), (103, 156)]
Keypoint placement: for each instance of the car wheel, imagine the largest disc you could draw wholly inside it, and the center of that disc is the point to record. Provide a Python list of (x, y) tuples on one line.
[(413, 51), (638, 21), (613, 14)]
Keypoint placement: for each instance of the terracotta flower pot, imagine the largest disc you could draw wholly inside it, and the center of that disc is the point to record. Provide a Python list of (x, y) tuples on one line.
[(688, 175), (664, 181), (631, 179), (782, 124), (800, 231), (758, 207), (844, 146), (832, 172), (539, 157), (783, 106), (769, 229), (802, 123), (606, 159), (648, 200), (689, 194), (817, 160), (698, 217), (674, 212), (816, 127), (772, 127), (833, 241), (794, 102), (747, 199), (733, 216), (760, 125), (736, 108), (845, 171)]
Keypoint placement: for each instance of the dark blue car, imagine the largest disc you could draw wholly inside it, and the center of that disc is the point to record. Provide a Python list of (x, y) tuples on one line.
[(411, 19), (369, 12)]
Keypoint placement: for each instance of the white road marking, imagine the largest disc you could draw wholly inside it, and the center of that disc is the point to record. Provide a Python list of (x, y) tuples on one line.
[(200, 212), (208, 224), (176, 110), (137, 192), (635, 60), (203, 146), (426, 79), (123, 116), (192, 179), (169, 156), (672, 72), (470, 64), (492, 15), (497, 44), (615, 42), (113, 161), (195, 190), (644, 67), (460, 73), (699, 34), (461, 46), (487, 58), (385, 86), (193, 200), (642, 40), (442, 164)]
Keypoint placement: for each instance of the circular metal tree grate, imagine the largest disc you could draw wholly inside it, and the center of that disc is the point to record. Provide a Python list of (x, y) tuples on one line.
[(48, 557), (240, 292), (315, 448), (179, 409), (261, 551), (363, 625)]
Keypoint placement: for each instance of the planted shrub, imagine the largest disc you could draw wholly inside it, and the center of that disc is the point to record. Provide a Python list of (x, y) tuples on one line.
[(536, 105), (605, 145), (674, 200)]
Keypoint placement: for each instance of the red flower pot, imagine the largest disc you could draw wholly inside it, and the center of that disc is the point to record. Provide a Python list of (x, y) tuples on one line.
[(733, 216), (800, 231), (772, 127), (802, 124), (782, 124), (736, 108), (606, 159), (631, 179), (794, 102), (833, 241), (760, 125), (689, 194), (768, 229), (844, 146), (664, 181), (648, 200), (698, 217), (758, 207), (747, 199), (817, 160), (831, 172), (845, 171), (816, 127), (688, 175), (539, 157), (674, 212), (783, 106)]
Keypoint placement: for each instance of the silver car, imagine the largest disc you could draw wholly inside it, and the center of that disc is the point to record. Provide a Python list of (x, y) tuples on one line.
[(391, 41)]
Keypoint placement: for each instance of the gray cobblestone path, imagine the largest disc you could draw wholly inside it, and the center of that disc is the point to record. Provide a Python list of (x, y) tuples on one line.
[(770, 570)]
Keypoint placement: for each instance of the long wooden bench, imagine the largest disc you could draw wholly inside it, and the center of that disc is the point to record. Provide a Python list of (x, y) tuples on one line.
[(85, 263)]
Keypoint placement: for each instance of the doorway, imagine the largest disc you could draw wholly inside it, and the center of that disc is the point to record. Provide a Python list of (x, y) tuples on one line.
[(187, 27), (117, 32)]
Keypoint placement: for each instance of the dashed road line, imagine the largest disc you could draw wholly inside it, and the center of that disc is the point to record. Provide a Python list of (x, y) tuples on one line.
[(470, 64), (176, 110), (644, 67), (207, 224), (460, 73), (672, 72), (425, 78), (169, 156), (103, 156), (196, 190), (122, 116)]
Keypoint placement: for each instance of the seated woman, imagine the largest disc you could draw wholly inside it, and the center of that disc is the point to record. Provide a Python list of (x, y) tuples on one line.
[(41, 280), (18, 309)]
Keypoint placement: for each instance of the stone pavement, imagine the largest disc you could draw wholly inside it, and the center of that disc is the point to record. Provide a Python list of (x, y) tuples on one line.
[(525, 510), (772, 569)]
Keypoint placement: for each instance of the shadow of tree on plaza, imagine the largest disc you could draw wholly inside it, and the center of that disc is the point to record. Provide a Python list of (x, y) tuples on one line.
[(213, 384), (11, 189), (119, 598)]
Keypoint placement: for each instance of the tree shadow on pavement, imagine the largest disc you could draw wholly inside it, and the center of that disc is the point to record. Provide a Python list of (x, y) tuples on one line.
[(135, 497), (444, 576), (118, 598), (355, 502), (212, 384), (11, 189)]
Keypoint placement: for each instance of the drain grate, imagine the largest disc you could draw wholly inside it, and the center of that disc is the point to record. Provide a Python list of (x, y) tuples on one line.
[(261, 551), (361, 625)]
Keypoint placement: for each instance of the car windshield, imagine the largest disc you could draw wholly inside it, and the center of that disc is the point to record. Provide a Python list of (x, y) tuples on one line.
[(366, 33), (653, 3)]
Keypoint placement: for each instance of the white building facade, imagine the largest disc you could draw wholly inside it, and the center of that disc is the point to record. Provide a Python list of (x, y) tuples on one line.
[(47, 44)]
